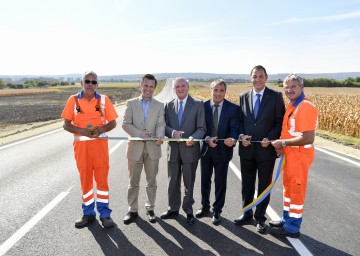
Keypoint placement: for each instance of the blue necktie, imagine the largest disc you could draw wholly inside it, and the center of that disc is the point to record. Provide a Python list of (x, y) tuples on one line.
[(257, 104), (181, 110)]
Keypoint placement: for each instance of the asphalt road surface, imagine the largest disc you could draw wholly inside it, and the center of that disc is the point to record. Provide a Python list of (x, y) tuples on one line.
[(40, 199)]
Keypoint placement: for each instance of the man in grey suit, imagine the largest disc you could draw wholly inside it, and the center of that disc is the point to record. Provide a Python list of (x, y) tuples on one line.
[(185, 118), (261, 115), (144, 117)]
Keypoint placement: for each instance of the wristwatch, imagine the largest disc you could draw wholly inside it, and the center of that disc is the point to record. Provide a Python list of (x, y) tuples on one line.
[(283, 143)]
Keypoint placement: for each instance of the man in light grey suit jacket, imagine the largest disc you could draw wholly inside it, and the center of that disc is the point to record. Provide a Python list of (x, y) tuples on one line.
[(144, 117), (185, 118)]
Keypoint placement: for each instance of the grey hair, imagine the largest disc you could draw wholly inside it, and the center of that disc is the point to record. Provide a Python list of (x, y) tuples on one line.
[(89, 73), (181, 78), (218, 81), (292, 77)]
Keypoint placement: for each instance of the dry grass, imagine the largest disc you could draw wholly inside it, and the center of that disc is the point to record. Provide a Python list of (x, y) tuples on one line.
[(339, 108), (61, 88)]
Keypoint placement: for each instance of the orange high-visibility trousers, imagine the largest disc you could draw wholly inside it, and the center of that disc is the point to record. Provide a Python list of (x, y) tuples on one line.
[(92, 160), (297, 163)]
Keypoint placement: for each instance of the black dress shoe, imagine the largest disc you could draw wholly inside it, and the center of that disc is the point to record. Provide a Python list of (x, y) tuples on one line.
[(107, 222), (190, 218), (276, 223), (243, 219), (169, 214), (201, 212), (86, 219), (130, 217), (261, 227), (216, 218), (151, 216), (281, 232)]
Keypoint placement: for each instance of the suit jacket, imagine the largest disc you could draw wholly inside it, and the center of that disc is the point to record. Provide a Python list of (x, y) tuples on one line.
[(134, 125), (228, 126), (266, 125), (192, 123)]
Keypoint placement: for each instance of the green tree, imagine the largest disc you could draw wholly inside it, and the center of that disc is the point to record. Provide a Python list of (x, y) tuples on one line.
[(2, 84)]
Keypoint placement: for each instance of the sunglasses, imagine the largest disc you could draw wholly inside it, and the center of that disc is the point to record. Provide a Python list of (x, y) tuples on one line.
[(88, 82)]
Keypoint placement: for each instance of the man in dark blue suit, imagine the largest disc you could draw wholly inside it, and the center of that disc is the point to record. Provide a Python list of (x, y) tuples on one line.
[(222, 131), (261, 115)]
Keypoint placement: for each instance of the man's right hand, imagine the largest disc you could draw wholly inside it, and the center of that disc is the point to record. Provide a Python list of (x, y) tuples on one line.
[(245, 140), (178, 134), (145, 134), (212, 142)]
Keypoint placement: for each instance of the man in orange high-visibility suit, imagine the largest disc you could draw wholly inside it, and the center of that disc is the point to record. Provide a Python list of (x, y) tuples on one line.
[(296, 143), (90, 115)]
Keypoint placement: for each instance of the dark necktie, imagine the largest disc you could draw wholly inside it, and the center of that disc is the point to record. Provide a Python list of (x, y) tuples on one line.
[(181, 110), (257, 104), (214, 129)]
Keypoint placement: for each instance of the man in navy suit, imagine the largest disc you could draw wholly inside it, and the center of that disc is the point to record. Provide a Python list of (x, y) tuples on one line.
[(222, 131), (261, 115)]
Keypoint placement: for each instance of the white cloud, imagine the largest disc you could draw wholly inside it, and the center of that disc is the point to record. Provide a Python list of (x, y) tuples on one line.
[(345, 16)]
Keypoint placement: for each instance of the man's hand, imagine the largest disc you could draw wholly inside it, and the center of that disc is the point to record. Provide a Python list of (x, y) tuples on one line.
[(145, 134), (190, 142), (230, 142), (265, 142), (159, 141), (245, 140), (178, 134), (277, 144), (92, 132), (212, 142)]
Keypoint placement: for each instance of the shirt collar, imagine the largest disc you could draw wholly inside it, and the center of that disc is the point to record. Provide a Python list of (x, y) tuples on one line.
[(255, 92), (80, 95), (298, 100), (220, 104), (183, 100), (147, 101)]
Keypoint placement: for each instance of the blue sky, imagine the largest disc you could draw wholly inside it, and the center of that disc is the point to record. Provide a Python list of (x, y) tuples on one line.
[(113, 37)]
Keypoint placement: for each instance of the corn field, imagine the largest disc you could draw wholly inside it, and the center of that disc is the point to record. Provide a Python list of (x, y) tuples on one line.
[(339, 108)]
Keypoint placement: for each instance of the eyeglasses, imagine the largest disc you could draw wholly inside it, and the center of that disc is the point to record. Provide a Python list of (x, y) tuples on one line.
[(92, 82)]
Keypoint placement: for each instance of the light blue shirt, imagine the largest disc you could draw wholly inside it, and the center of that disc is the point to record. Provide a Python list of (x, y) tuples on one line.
[(145, 106)]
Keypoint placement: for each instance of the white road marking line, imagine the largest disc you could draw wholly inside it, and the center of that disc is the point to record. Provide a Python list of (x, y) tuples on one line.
[(11, 241), (31, 223), (116, 146), (337, 156), (31, 138), (296, 243)]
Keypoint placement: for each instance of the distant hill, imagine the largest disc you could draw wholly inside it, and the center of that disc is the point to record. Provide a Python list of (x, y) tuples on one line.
[(190, 76)]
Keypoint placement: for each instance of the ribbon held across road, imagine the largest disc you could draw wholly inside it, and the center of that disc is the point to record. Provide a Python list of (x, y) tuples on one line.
[(267, 191)]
